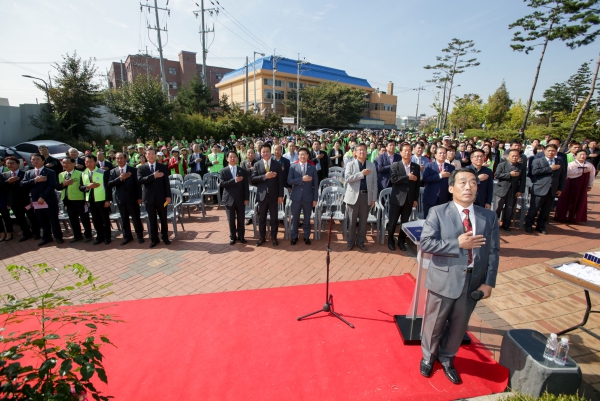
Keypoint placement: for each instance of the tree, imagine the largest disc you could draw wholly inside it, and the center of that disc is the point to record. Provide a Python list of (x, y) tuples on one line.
[(452, 64), (195, 98), (514, 116), (329, 104), (498, 105), (556, 98), (142, 107), (579, 84), (74, 98), (566, 20), (467, 112)]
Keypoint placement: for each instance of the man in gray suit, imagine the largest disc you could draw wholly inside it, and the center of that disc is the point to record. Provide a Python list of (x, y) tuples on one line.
[(464, 241), (511, 176), (303, 179), (361, 193), (548, 175)]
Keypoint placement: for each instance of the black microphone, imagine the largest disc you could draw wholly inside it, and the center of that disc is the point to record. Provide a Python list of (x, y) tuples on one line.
[(476, 295)]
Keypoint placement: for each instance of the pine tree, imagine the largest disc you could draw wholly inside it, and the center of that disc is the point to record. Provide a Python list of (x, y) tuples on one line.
[(498, 105)]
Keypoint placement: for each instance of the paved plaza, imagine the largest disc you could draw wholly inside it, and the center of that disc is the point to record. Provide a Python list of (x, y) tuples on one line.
[(202, 261)]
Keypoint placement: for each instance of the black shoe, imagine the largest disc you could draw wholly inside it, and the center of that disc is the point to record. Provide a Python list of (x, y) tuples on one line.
[(76, 239), (307, 241), (452, 374), (505, 228), (294, 241), (248, 222), (243, 240), (167, 242), (426, 368), (231, 242), (25, 238), (391, 245), (275, 242), (88, 239), (260, 242), (402, 246), (349, 247), (97, 241), (59, 241), (528, 230), (37, 237), (363, 248), (44, 242), (541, 231), (107, 241), (126, 241), (140, 240), (153, 244)]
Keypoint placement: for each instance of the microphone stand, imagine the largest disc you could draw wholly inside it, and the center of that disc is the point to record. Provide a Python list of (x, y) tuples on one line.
[(328, 307)]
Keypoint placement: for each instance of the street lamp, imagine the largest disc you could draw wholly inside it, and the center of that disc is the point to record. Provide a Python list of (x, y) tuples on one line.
[(47, 93), (254, 70), (300, 62)]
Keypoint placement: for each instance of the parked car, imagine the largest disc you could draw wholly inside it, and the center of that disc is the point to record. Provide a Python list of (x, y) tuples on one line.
[(57, 149), (10, 151), (322, 131)]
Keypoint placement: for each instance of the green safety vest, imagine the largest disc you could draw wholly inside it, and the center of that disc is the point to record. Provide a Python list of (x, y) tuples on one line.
[(184, 144), (134, 159), (373, 155), (570, 157), (73, 191), (180, 167), (97, 176), (173, 143), (199, 141), (5, 169), (216, 167), (160, 144)]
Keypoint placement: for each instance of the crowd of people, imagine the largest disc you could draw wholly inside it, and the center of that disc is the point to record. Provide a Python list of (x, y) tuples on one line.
[(371, 161)]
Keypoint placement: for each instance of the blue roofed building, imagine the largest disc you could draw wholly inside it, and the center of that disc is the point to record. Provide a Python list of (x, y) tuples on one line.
[(263, 88)]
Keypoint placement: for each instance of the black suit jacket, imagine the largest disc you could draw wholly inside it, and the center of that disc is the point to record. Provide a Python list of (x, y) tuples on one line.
[(285, 166), (485, 189), (545, 179), (192, 164), (107, 163), (126, 191), (44, 190), (324, 173), (506, 181), (459, 158), (403, 189), (272, 188), (14, 194), (154, 190), (234, 192), (81, 161)]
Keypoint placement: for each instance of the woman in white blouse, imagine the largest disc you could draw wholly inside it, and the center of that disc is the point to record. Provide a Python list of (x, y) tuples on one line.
[(572, 203)]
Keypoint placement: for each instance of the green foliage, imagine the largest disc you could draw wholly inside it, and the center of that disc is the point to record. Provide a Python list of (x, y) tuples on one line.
[(514, 116), (544, 397), (468, 112), (59, 366), (195, 98), (142, 107), (51, 122), (556, 98), (498, 105), (329, 104)]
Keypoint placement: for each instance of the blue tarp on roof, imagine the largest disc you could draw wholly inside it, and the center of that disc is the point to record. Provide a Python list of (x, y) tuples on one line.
[(290, 66)]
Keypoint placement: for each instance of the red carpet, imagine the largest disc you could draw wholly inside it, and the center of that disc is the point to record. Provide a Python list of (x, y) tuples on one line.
[(248, 345)]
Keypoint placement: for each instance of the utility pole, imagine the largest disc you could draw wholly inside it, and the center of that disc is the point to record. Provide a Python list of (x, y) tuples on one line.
[(275, 58), (443, 105), (254, 70), (246, 92), (203, 31), (160, 51), (300, 62), (419, 89)]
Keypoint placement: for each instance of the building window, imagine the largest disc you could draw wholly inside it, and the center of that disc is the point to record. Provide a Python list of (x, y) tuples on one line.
[(268, 82), (172, 85), (292, 95), (172, 71), (292, 85), (376, 106), (367, 105), (302, 86), (219, 76), (388, 107), (279, 95)]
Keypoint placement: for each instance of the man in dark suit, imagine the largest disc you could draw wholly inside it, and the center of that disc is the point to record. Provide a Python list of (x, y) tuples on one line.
[(73, 198), (41, 182), (549, 174), (512, 178), (94, 183), (156, 195), (405, 177), (236, 194), (384, 162), (321, 160), (49, 161), (561, 155), (464, 243), (435, 177), (485, 185), (462, 155), (197, 161), (267, 176), (102, 162), (79, 161), (304, 181), (17, 198), (128, 196), (285, 163)]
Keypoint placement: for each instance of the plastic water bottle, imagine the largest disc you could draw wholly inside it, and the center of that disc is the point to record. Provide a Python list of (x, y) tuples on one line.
[(562, 351), (551, 344)]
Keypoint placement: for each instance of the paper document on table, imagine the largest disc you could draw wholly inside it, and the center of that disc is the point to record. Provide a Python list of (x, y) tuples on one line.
[(38, 206)]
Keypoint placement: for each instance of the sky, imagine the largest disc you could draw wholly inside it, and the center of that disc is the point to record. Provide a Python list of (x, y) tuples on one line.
[(379, 40)]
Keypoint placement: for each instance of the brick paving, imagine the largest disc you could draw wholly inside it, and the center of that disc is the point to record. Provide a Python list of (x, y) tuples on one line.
[(202, 261)]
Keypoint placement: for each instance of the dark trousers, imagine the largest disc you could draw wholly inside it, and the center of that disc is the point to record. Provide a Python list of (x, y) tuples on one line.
[(127, 210), (358, 212), (427, 206), (306, 207), (101, 220), (21, 215), (8, 226), (76, 212), (48, 219), (270, 206), (446, 322), (153, 209), (235, 215), (508, 202), (544, 205), (403, 212)]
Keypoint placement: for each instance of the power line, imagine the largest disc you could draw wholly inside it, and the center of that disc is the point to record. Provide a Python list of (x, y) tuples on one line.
[(241, 26)]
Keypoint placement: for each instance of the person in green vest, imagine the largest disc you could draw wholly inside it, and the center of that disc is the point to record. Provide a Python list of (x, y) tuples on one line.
[(74, 200), (132, 157), (216, 161), (199, 140), (3, 167), (573, 149), (232, 136), (160, 143), (94, 148), (107, 146), (373, 152), (177, 164), (94, 182), (184, 143), (173, 142)]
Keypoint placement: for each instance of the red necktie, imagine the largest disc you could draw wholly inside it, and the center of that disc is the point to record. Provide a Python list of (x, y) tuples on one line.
[(468, 227), (441, 168)]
